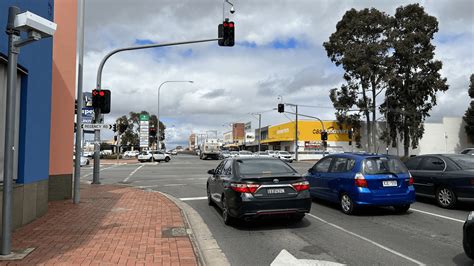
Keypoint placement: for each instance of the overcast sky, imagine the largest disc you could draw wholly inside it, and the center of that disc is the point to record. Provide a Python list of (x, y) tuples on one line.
[(278, 52)]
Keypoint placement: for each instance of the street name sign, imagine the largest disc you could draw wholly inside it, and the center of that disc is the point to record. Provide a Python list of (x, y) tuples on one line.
[(96, 126)]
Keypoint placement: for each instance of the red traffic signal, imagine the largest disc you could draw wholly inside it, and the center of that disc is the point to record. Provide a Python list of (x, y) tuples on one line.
[(101, 100), (226, 33)]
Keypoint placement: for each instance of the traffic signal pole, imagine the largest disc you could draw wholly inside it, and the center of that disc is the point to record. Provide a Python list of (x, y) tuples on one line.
[(97, 111), (314, 117)]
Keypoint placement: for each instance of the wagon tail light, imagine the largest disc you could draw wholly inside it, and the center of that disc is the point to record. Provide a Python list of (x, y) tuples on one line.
[(244, 187), (300, 186), (360, 181)]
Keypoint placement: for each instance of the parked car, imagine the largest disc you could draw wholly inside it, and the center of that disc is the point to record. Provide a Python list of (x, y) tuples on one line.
[(262, 154), (448, 178), (271, 153), (159, 156), (173, 152), (469, 151), (131, 154), (234, 153), (284, 155), (245, 154), (87, 153), (224, 154), (84, 160), (468, 236), (246, 188), (355, 180)]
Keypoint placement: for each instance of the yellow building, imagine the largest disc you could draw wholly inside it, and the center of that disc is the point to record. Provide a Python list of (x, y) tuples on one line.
[(282, 136)]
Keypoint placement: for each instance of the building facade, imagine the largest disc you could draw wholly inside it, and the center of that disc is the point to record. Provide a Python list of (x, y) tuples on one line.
[(45, 110)]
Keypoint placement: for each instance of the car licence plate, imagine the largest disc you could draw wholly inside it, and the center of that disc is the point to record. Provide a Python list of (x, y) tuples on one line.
[(389, 183), (275, 190)]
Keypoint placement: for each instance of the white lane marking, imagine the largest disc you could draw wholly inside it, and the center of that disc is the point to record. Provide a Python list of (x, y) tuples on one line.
[(101, 169), (195, 198), (285, 258), (132, 173), (174, 185), (437, 215), (367, 240)]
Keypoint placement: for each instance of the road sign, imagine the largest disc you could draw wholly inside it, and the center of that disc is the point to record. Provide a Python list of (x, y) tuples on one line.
[(96, 126), (144, 130)]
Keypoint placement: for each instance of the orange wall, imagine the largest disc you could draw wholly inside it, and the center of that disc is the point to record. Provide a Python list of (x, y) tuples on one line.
[(64, 87)]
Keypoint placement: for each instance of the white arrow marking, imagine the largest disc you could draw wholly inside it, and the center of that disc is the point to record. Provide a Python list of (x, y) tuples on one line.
[(285, 258)]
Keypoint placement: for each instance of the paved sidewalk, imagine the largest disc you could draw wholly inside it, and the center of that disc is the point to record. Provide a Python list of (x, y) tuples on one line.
[(112, 225)]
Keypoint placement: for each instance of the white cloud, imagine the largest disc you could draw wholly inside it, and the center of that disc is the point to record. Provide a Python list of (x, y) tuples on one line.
[(229, 83)]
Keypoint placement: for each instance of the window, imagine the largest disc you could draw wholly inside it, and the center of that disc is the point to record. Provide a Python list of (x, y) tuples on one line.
[(323, 165), (339, 165), (383, 165), (413, 163), (432, 164), (219, 168), (465, 162), (350, 164), (227, 168), (259, 167)]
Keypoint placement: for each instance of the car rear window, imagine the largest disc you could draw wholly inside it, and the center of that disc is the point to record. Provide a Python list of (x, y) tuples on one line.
[(284, 152), (258, 167), (464, 161), (383, 165)]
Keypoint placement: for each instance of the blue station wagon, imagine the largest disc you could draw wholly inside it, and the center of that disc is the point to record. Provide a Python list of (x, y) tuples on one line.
[(354, 180)]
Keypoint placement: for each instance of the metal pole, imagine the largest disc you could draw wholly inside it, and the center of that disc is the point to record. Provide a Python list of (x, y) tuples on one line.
[(296, 134), (96, 172), (158, 137), (118, 146), (9, 148), (259, 131), (80, 57)]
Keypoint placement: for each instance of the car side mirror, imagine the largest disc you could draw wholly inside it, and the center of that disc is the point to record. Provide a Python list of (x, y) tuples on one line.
[(211, 172)]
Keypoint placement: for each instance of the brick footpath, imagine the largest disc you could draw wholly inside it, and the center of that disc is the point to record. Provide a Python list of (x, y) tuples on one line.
[(112, 225)]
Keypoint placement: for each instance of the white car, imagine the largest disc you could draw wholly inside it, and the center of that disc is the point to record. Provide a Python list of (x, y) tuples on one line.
[(285, 156), (263, 154), (131, 154), (145, 156), (245, 154), (87, 153), (272, 153), (159, 156), (84, 160)]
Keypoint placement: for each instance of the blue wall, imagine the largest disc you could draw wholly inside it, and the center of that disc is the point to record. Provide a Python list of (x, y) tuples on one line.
[(35, 108)]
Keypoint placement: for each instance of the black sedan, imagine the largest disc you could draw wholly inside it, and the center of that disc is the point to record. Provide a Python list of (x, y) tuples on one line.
[(246, 188), (468, 236), (448, 178)]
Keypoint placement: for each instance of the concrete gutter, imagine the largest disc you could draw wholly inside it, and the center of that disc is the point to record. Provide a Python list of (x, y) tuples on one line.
[(206, 248)]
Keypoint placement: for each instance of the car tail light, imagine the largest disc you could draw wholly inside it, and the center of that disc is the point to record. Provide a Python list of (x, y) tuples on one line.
[(411, 181), (360, 180), (300, 186), (244, 187)]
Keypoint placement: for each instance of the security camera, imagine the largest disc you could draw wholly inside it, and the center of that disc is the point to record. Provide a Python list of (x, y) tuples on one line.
[(232, 10), (35, 25)]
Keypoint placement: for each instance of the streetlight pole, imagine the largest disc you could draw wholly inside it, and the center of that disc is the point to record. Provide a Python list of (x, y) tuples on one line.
[(158, 142)]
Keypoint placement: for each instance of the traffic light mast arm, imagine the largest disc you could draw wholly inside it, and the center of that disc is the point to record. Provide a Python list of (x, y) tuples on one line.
[(314, 117)]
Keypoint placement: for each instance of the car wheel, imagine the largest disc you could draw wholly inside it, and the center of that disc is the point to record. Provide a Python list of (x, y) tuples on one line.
[(347, 205), (402, 208), (445, 197), (228, 220), (297, 217), (209, 198), (167, 159)]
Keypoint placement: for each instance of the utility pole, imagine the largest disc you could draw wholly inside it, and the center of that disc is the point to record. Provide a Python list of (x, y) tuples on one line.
[(80, 97), (296, 134), (259, 131)]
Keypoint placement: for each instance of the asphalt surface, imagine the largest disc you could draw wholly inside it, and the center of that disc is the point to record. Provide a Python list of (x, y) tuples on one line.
[(426, 234)]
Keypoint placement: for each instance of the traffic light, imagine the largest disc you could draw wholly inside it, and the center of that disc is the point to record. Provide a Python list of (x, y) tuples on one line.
[(226, 33), (350, 137), (101, 100), (152, 131), (281, 108), (114, 128), (324, 135)]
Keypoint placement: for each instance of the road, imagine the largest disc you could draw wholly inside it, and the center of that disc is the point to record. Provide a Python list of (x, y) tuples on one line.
[(426, 234)]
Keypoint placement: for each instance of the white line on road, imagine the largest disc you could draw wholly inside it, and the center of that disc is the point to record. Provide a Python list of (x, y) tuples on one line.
[(174, 185), (368, 240), (437, 215), (132, 173), (195, 198), (101, 169)]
